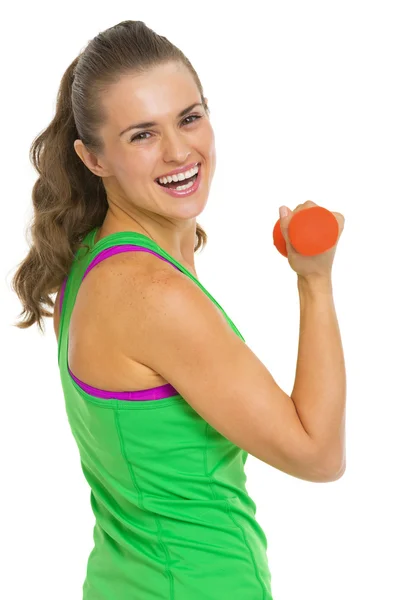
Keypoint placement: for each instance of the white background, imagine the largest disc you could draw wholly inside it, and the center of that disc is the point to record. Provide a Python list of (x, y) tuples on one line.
[(304, 100)]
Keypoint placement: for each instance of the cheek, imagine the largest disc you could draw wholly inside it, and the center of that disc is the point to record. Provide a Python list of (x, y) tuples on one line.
[(132, 166), (208, 142), (210, 133), (122, 163)]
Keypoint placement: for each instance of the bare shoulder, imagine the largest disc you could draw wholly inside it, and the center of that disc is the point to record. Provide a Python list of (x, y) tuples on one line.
[(138, 282), (124, 282), (118, 277)]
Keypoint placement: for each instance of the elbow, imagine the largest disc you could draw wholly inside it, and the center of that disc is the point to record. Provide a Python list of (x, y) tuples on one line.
[(335, 471), (332, 461), (324, 471)]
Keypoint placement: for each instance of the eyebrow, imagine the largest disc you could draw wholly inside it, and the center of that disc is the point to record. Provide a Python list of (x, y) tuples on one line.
[(153, 123)]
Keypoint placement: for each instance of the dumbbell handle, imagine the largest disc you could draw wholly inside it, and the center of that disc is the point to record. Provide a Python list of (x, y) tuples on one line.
[(311, 231)]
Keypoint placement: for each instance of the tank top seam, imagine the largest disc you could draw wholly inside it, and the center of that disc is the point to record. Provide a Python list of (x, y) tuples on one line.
[(228, 511), (141, 503), (257, 572)]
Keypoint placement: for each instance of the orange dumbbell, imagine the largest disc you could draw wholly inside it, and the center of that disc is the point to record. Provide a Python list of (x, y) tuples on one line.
[(311, 231)]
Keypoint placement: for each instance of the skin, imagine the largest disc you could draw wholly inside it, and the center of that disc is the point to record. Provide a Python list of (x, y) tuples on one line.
[(128, 168)]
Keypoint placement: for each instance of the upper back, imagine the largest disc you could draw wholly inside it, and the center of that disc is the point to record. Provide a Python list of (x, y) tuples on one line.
[(96, 328), (96, 351)]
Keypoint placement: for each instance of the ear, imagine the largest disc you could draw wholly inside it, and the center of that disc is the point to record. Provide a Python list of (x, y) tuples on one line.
[(89, 159)]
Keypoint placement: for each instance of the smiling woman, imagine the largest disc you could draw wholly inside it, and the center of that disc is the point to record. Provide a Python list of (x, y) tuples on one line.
[(171, 145), (162, 420)]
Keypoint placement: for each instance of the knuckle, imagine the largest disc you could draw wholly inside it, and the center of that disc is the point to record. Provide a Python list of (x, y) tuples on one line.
[(339, 217)]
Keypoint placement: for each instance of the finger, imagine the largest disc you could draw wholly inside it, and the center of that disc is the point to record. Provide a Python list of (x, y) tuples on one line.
[(340, 219), (306, 204)]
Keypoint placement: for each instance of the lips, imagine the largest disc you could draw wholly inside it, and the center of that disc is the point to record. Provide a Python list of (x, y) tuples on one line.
[(186, 192)]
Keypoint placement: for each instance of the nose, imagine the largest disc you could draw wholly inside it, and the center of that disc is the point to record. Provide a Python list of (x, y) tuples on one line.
[(175, 148)]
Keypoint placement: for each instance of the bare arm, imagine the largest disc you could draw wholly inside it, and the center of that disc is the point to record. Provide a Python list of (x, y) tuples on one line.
[(164, 321), (319, 392)]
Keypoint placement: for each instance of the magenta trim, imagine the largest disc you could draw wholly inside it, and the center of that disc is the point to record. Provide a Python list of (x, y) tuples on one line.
[(156, 393), (117, 250)]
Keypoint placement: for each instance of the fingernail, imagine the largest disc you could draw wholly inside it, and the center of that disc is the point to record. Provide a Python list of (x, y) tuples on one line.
[(283, 211)]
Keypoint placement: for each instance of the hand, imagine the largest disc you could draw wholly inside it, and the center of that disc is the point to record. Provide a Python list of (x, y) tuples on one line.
[(308, 266)]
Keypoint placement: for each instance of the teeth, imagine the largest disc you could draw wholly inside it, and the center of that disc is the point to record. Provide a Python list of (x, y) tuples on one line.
[(180, 176)]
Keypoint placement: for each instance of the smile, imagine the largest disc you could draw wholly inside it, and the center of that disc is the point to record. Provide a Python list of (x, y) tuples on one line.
[(184, 184)]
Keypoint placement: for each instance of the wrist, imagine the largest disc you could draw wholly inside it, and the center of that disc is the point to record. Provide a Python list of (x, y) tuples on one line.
[(315, 283)]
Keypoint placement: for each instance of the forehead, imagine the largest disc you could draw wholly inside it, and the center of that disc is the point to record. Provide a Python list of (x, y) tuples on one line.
[(156, 95)]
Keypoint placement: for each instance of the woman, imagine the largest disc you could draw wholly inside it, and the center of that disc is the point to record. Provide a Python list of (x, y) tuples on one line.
[(117, 228)]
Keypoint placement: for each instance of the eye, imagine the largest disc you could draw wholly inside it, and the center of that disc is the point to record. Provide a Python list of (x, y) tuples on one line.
[(139, 139), (194, 116)]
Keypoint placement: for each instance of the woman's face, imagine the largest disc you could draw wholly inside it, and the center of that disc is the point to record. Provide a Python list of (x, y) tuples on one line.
[(133, 158)]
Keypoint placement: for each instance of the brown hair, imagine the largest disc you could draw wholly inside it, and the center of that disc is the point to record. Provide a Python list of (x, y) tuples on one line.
[(68, 199)]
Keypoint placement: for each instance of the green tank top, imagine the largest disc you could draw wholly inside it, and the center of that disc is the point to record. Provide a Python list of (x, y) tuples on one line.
[(173, 519)]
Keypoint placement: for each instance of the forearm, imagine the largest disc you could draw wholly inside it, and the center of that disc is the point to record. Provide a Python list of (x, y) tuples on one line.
[(319, 391)]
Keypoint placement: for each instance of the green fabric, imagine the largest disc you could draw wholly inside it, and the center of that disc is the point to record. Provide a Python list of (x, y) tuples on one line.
[(173, 519)]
